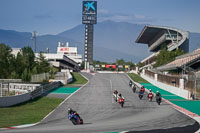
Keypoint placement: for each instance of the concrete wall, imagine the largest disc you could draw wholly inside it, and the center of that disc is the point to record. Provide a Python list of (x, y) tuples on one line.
[(70, 78), (13, 100), (65, 77), (177, 91)]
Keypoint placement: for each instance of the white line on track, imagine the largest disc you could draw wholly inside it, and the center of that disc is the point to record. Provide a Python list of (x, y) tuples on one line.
[(29, 125), (67, 98), (110, 87)]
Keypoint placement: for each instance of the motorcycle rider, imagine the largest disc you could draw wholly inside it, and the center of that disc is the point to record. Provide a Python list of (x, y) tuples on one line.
[(70, 110), (158, 97), (142, 89), (134, 88), (115, 94), (120, 96), (150, 94), (121, 99), (130, 83), (141, 94)]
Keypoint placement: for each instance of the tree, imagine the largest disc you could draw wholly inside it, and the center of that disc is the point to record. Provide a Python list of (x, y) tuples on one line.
[(42, 64), (5, 57), (28, 57), (166, 56), (26, 75), (120, 62)]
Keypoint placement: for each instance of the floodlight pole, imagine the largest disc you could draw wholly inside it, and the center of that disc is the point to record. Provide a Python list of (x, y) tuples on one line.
[(34, 39)]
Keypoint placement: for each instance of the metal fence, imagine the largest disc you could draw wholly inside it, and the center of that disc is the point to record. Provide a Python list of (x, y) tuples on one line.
[(193, 84)]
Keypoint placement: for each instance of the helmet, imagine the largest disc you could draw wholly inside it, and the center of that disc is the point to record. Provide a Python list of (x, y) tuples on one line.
[(120, 94), (69, 109), (150, 90), (142, 87), (157, 91)]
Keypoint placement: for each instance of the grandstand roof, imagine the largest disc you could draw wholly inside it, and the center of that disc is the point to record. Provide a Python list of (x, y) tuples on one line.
[(154, 37), (147, 34)]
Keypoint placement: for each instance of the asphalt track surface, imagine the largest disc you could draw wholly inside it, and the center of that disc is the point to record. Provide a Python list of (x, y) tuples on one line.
[(100, 113)]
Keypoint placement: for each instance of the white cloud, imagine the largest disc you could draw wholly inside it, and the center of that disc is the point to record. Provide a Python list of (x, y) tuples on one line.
[(104, 14), (103, 11)]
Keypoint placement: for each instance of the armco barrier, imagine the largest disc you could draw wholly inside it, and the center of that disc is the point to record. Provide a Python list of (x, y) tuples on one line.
[(13, 100)]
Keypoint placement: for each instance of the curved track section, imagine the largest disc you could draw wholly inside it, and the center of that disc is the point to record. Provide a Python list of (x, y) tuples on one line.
[(100, 113)]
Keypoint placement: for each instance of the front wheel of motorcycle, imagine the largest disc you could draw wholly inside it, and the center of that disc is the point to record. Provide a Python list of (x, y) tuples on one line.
[(73, 121)]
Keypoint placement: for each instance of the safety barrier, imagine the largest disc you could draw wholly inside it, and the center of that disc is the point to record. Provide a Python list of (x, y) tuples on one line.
[(13, 100)]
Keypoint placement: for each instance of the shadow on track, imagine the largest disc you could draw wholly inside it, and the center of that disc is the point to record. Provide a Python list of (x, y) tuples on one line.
[(187, 129)]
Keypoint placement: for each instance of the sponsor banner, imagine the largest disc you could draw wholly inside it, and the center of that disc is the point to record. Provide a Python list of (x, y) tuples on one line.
[(110, 66), (97, 66), (126, 66), (103, 65), (120, 66), (67, 50)]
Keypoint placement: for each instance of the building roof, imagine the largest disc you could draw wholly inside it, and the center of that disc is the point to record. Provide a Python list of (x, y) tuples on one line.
[(151, 34), (181, 61)]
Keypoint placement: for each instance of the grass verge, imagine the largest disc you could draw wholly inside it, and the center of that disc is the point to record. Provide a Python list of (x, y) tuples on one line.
[(137, 78), (29, 112), (78, 79)]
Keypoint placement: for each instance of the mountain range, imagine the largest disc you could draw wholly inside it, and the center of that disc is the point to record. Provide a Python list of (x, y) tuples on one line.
[(112, 40)]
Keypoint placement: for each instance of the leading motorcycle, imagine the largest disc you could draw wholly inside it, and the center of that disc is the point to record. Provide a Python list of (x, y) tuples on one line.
[(75, 118)]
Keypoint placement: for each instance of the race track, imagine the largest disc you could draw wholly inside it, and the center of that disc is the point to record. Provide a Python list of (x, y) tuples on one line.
[(100, 113)]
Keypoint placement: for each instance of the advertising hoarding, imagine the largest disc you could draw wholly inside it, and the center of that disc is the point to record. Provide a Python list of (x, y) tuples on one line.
[(72, 50), (89, 7), (89, 12), (110, 66)]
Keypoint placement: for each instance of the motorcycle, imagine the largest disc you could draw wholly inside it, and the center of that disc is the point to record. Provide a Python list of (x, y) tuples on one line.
[(75, 118), (140, 95), (158, 100), (130, 83), (121, 102), (150, 96), (134, 89)]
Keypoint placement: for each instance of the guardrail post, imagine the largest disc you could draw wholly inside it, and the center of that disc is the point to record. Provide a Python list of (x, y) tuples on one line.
[(156, 77), (143, 71), (1, 89)]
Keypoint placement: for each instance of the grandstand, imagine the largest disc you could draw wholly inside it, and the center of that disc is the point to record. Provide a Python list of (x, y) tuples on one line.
[(187, 62), (156, 36)]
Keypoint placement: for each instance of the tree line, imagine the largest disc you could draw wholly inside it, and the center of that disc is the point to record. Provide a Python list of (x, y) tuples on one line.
[(22, 66)]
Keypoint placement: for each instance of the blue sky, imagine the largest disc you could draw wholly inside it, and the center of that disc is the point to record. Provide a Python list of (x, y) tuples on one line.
[(55, 16)]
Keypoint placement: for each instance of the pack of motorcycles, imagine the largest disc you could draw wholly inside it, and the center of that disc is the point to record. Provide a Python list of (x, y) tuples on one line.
[(141, 93), (77, 120)]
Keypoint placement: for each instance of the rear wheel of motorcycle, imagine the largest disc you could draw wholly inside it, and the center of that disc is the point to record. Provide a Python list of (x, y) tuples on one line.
[(73, 121), (122, 105), (81, 121)]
